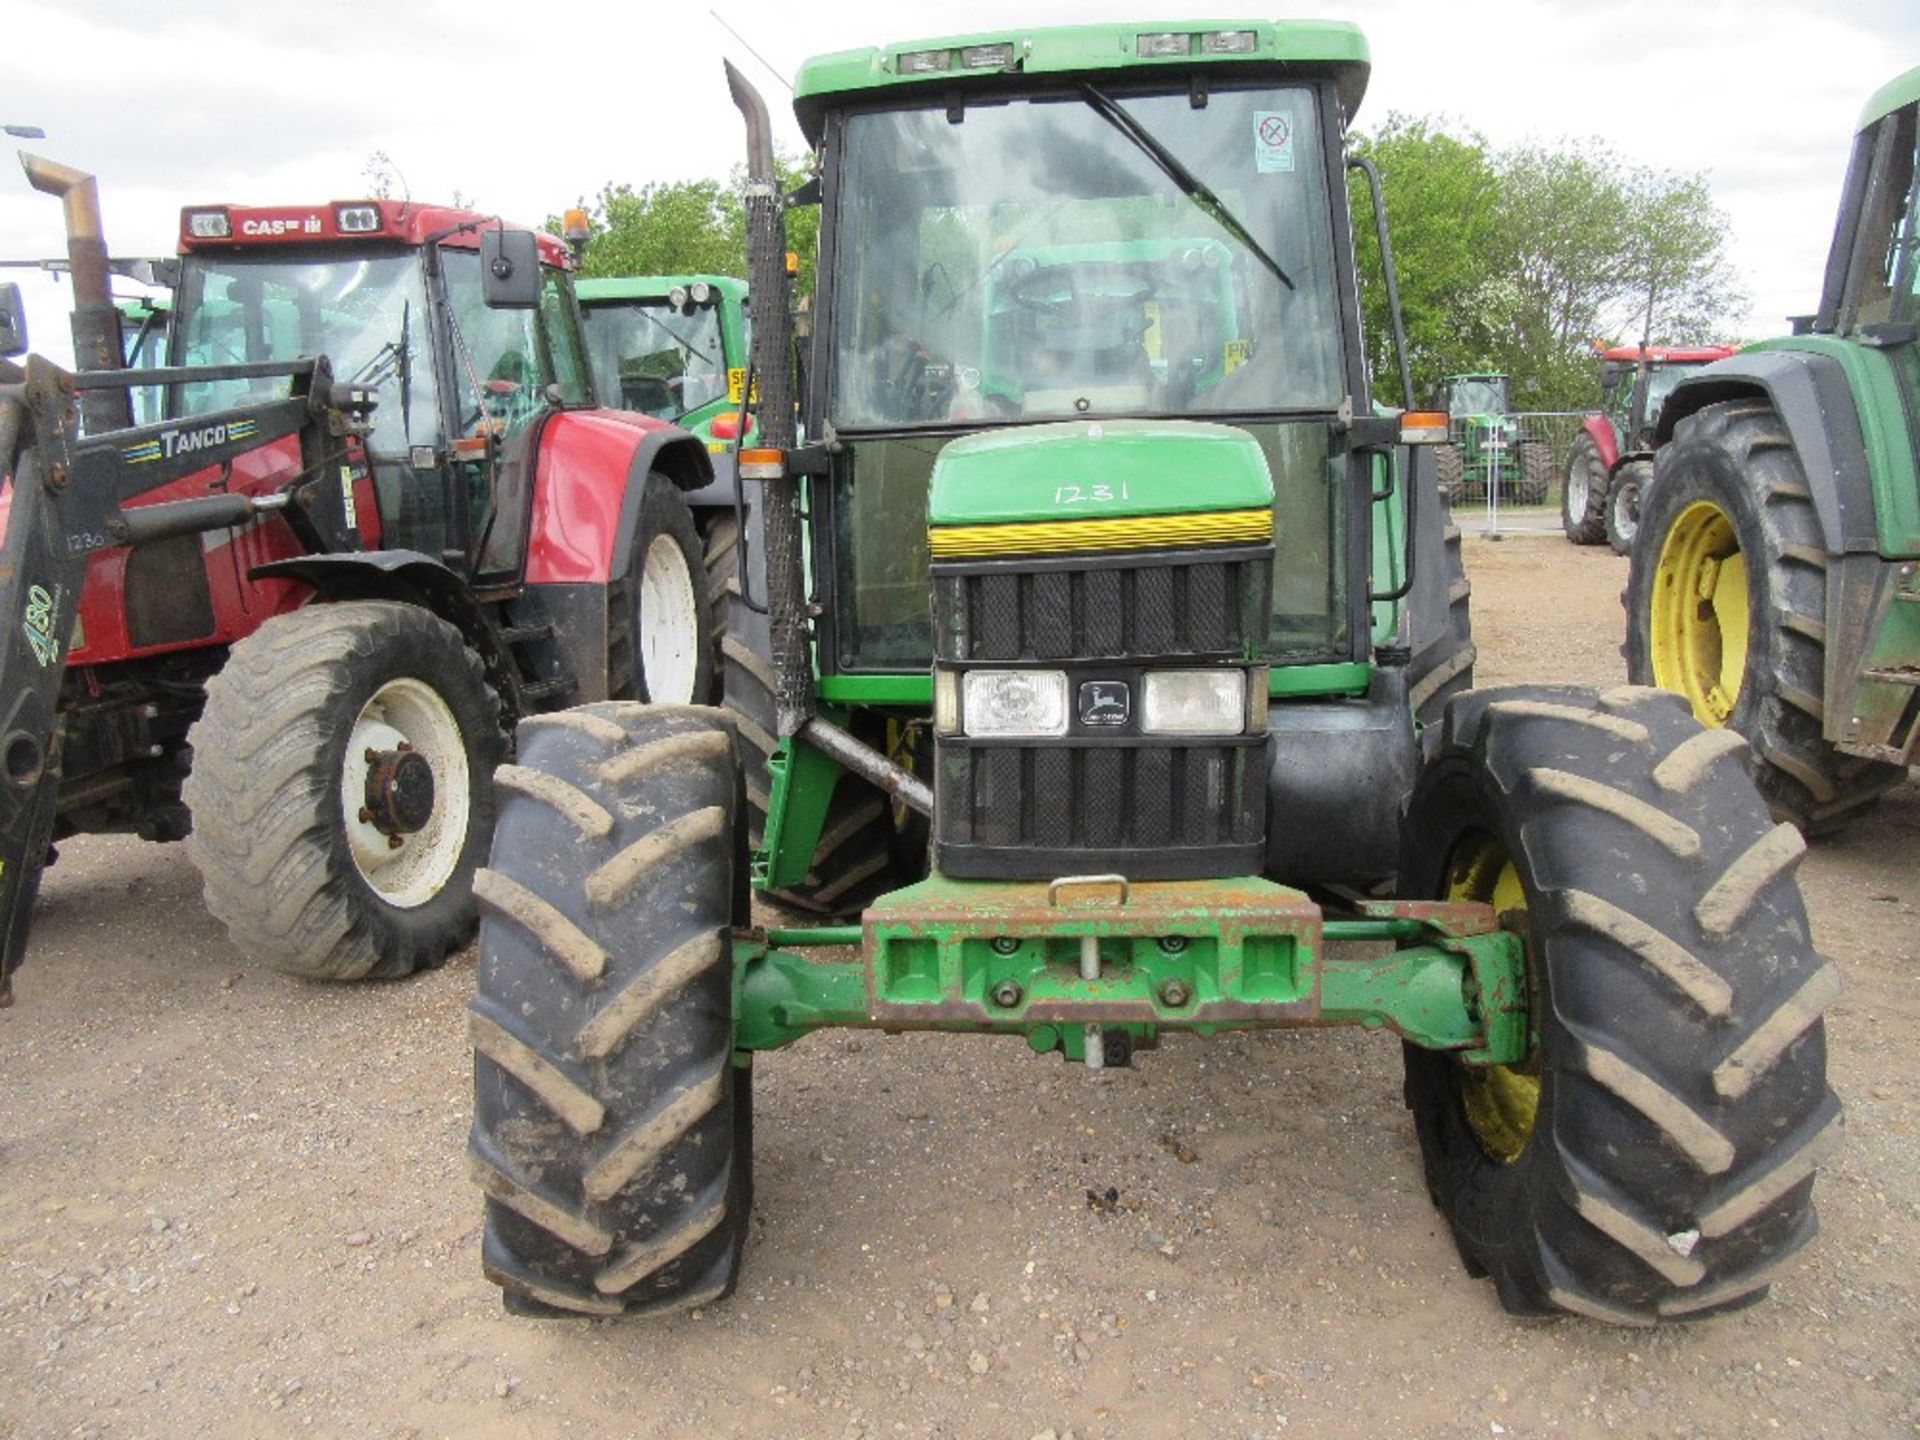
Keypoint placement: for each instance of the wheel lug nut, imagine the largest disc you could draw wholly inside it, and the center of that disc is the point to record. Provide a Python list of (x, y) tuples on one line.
[(1007, 994), (1175, 994), (394, 842)]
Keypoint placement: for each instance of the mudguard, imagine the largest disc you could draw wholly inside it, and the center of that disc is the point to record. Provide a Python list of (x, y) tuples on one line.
[(581, 528), (416, 579), (1811, 395), (1600, 430)]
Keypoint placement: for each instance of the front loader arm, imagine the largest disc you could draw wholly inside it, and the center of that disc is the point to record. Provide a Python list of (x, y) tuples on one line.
[(61, 497)]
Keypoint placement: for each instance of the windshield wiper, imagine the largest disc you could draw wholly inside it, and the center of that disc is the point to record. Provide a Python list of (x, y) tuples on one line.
[(1191, 185)]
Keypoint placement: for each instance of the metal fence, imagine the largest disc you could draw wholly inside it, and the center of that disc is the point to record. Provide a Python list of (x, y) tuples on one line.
[(1486, 506)]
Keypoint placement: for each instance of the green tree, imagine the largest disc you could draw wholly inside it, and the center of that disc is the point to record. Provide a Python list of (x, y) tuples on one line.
[(1440, 189), (1519, 260), (687, 227)]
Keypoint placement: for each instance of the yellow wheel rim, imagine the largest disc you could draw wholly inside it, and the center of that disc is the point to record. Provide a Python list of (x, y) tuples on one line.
[(1698, 623), (1500, 1101)]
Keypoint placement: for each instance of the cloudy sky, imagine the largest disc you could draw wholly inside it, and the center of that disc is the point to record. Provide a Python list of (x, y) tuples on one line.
[(529, 107)]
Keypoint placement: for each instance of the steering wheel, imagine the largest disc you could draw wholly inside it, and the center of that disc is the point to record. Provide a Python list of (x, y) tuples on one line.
[(919, 387)]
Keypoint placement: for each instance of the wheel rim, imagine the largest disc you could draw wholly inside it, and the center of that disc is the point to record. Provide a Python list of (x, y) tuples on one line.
[(1501, 1102), (406, 716), (1626, 510), (1699, 613), (1578, 492), (669, 624)]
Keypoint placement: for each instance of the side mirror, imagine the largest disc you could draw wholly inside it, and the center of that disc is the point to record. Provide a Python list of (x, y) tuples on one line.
[(509, 269), (13, 322)]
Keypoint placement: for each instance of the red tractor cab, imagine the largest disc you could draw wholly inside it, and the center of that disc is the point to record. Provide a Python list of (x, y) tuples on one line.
[(1611, 458)]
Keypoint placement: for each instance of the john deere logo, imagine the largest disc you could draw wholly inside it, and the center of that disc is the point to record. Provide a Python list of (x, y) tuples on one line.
[(1105, 702), (191, 440)]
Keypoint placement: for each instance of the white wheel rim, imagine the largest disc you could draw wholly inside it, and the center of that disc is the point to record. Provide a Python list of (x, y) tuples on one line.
[(1578, 493), (411, 712), (669, 624), (1625, 521)]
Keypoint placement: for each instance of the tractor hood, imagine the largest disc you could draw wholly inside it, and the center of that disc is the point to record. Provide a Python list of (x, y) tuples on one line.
[(1099, 470)]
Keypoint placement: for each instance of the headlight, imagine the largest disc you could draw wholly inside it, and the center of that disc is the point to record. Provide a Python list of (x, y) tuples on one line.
[(1194, 702), (1022, 703)]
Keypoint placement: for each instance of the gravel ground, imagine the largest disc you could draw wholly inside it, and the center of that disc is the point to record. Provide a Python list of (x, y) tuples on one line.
[(232, 1204)]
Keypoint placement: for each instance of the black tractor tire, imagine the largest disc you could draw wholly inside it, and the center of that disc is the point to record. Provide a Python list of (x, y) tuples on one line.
[(1452, 466), (1626, 491), (301, 884), (1536, 473), (1583, 493), (1738, 457), (1445, 668), (1666, 1171), (611, 1128), (859, 854), (661, 609)]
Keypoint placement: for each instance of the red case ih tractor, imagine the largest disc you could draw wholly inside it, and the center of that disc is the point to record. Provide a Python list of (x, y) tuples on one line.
[(300, 635), (1611, 459)]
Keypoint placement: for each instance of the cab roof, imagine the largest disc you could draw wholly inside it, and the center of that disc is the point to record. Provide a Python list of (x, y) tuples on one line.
[(1898, 92), (1324, 45), (1669, 354), (654, 287), (399, 221)]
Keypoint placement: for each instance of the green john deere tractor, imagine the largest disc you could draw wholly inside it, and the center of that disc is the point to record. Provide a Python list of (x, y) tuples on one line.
[(1776, 572), (1149, 668), (1487, 447)]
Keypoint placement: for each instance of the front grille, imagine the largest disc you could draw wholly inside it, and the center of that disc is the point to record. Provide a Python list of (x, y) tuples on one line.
[(1199, 604), (1149, 808)]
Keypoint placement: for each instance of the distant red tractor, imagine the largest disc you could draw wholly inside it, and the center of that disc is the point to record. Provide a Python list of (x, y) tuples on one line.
[(1611, 459), (305, 652)]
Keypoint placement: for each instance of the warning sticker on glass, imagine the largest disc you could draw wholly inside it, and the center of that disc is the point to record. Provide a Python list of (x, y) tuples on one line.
[(1272, 141)]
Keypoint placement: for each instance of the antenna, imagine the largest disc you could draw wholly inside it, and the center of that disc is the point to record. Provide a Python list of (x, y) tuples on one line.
[(771, 70)]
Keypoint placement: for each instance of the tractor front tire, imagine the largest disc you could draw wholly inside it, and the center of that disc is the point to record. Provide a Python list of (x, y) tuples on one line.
[(326, 847), (661, 628), (1536, 473), (1625, 492), (859, 855), (1583, 493), (1445, 668), (611, 1128), (1654, 1157), (1727, 604), (1452, 467)]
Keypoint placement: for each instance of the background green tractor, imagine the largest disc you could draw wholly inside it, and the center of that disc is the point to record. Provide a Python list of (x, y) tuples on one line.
[(670, 346), (1151, 675), (1487, 444), (1776, 574)]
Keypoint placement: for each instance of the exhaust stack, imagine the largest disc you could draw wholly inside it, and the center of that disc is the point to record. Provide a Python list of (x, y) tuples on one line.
[(97, 340)]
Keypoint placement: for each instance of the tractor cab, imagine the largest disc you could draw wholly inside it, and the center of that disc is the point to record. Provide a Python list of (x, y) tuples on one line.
[(1636, 383), (393, 293), (1480, 397), (670, 346)]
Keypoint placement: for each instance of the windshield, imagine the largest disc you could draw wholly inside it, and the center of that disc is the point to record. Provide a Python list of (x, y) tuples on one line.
[(1478, 397), (366, 313), (660, 359), (1660, 385), (1038, 261)]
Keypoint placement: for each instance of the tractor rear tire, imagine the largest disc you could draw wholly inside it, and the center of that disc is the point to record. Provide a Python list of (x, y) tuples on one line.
[(1732, 490), (1625, 492), (858, 855), (295, 865), (1654, 1158), (1583, 493), (1536, 473), (1445, 668), (1452, 466), (611, 1127), (661, 629)]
